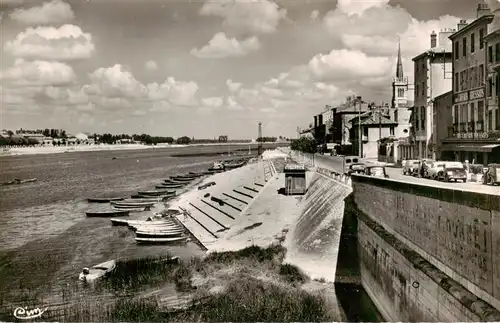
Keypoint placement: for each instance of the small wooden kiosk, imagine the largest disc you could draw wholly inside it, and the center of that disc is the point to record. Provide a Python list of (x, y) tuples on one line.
[(295, 179)]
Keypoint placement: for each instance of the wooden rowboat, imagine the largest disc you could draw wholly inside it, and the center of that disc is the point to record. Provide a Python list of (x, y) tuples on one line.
[(133, 204), (104, 199), (156, 234), (164, 186), (97, 272), (105, 214), (157, 192), (159, 240)]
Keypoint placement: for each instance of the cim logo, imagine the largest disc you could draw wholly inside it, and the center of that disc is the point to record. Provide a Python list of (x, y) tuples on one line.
[(23, 313)]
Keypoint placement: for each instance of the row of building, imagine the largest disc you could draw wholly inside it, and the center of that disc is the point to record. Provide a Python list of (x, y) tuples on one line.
[(27, 137), (450, 112)]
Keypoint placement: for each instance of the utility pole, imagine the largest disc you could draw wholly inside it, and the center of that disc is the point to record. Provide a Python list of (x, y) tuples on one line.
[(259, 139), (359, 128), (380, 123)]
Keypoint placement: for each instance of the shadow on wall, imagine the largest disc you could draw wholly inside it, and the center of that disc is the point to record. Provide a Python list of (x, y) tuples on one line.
[(353, 299)]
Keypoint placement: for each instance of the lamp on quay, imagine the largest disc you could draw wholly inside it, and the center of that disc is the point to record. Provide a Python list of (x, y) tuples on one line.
[(358, 99)]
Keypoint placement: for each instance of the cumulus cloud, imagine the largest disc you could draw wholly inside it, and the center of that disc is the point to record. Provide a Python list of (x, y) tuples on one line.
[(272, 92), (38, 73), (353, 7), (233, 104), (115, 82), (65, 43), (254, 16), (151, 65), (233, 86), (346, 64), (118, 82), (176, 92), (221, 46), (213, 102), (53, 12)]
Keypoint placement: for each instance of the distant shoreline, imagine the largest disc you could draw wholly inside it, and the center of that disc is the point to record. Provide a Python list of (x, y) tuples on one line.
[(19, 151)]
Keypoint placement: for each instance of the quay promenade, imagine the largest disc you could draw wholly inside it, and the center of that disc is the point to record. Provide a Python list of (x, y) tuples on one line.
[(334, 164)]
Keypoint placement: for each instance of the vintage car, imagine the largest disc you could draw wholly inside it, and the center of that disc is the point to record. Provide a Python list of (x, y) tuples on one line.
[(492, 175), (453, 171), (409, 166), (376, 171), (433, 169), (356, 168)]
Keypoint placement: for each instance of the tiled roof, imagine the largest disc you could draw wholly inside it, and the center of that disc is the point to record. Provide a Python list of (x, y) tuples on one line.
[(373, 118)]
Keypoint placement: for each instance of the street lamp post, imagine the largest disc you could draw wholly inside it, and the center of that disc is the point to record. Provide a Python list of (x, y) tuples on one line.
[(359, 127)]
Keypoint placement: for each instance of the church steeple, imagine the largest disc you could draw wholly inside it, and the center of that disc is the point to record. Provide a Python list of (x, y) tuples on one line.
[(399, 67)]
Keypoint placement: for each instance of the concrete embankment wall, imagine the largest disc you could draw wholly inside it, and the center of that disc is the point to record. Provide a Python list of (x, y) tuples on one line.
[(427, 253), (314, 238)]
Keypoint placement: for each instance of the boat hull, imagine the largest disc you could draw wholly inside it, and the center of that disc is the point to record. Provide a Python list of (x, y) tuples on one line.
[(160, 240), (106, 214), (144, 234), (157, 193), (104, 199)]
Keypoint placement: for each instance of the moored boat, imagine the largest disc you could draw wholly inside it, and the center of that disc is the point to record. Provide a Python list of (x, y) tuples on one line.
[(122, 222), (157, 192), (204, 186), (132, 209), (159, 240), (149, 199), (166, 186), (182, 180), (104, 199), (153, 227), (234, 164), (158, 234), (20, 181), (99, 271), (216, 167), (104, 214), (133, 204)]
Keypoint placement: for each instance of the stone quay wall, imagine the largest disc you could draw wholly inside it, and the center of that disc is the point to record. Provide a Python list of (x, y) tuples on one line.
[(428, 253)]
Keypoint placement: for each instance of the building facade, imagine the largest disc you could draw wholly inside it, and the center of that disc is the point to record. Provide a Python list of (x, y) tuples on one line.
[(432, 78), (442, 123), (370, 128), (474, 88), (343, 114)]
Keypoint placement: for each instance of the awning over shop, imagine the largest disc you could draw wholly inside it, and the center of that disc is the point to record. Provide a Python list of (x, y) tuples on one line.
[(471, 148)]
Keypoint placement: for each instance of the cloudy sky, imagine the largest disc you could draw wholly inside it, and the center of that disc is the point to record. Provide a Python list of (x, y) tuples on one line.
[(202, 69)]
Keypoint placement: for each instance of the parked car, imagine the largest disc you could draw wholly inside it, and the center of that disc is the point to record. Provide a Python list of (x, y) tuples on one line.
[(453, 171), (492, 175), (434, 169), (376, 171), (348, 161), (356, 168), (409, 166)]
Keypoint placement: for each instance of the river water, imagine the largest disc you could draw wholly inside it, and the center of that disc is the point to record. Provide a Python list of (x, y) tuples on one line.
[(45, 237)]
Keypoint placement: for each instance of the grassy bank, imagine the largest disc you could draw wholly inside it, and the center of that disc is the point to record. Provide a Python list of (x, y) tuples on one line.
[(247, 285)]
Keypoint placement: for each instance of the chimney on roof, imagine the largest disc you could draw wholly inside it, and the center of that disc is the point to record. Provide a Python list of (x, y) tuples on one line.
[(461, 24), (482, 10), (433, 40)]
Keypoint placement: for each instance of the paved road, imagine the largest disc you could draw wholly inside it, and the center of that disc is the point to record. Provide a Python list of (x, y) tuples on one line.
[(332, 163)]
